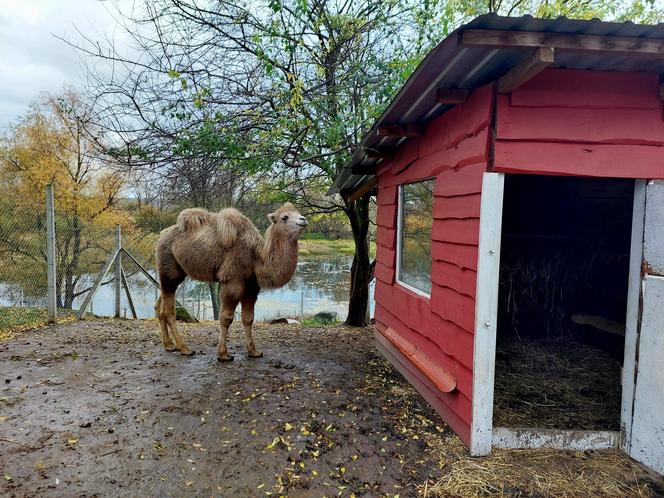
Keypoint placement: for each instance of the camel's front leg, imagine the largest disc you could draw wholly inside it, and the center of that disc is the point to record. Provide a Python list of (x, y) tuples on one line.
[(228, 305), (248, 304), (163, 326), (168, 309)]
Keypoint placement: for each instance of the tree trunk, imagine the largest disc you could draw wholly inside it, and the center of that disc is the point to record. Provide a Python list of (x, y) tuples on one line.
[(358, 214), (214, 297)]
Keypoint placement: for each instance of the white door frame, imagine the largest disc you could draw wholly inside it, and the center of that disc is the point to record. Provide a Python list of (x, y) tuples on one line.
[(483, 436)]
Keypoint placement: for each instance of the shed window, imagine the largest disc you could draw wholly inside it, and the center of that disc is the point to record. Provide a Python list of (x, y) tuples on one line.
[(414, 241)]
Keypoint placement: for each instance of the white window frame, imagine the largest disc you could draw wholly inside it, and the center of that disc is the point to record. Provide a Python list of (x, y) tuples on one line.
[(397, 277)]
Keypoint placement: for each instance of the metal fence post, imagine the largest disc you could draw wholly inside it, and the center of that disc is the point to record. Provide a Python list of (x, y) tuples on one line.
[(302, 306), (118, 269), (50, 254)]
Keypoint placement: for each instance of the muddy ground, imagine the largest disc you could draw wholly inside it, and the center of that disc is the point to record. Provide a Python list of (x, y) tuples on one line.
[(98, 408)]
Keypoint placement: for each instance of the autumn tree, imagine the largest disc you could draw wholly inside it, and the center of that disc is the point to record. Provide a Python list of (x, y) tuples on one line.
[(49, 146)]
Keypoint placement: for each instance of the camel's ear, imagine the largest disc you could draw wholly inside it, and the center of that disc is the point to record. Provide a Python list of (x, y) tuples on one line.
[(272, 217)]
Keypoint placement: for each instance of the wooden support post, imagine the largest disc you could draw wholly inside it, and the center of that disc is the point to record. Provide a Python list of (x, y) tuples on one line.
[(50, 255), (118, 269), (537, 62), (125, 284)]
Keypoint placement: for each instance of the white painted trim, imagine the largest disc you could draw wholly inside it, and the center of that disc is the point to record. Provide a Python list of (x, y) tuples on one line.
[(397, 275), (486, 313), (632, 320), (520, 438)]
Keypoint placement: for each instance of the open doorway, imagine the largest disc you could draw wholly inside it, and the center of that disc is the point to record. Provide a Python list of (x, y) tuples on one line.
[(562, 302)]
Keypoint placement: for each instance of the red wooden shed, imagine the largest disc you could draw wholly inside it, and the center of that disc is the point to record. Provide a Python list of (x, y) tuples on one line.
[(525, 147)]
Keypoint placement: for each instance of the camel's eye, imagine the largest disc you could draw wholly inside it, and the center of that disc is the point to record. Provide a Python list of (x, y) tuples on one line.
[(284, 218)]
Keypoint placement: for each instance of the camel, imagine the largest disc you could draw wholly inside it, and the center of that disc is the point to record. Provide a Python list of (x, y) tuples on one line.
[(225, 247)]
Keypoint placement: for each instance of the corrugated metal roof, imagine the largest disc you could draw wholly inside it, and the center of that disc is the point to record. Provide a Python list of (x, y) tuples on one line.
[(450, 65)]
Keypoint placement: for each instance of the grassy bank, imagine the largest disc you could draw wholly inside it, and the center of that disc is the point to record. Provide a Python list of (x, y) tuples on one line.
[(324, 247), (13, 320)]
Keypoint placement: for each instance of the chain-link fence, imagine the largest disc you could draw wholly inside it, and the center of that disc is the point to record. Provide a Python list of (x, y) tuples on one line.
[(83, 247)]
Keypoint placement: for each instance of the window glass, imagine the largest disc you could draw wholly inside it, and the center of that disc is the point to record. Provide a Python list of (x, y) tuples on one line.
[(416, 211)]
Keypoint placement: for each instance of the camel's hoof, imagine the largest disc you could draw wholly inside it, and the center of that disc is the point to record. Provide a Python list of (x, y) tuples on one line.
[(186, 352), (256, 354), (170, 349), (226, 357)]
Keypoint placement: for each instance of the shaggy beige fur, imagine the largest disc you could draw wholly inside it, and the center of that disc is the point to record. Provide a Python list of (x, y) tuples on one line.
[(225, 247)]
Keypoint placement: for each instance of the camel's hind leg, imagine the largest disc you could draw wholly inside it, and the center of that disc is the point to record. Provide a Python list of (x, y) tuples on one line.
[(248, 303), (163, 326), (168, 309), (228, 298)]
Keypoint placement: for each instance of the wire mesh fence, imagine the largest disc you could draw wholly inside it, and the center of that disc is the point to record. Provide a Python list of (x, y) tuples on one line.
[(83, 247)]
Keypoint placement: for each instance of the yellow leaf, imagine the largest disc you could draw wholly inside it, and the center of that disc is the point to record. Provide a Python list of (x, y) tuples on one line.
[(72, 441), (260, 486), (288, 426)]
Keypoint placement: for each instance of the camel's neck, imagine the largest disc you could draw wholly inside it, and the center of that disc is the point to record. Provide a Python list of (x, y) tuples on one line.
[(278, 261)]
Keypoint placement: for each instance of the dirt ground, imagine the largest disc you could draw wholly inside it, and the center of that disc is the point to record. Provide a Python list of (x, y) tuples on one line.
[(97, 408)]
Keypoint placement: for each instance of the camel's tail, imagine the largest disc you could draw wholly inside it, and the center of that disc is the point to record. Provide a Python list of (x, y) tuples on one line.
[(230, 222), (190, 220)]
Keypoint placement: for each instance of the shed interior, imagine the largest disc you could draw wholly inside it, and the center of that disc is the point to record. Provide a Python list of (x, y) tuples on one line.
[(562, 302)]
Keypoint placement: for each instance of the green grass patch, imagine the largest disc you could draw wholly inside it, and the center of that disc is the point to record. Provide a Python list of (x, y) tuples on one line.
[(339, 247), (14, 320), (319, 322)]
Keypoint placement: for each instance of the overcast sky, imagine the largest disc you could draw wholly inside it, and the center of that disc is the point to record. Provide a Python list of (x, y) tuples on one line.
[(33, 60)]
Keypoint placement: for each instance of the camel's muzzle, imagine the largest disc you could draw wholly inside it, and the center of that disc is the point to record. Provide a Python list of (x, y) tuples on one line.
[(302, 222)]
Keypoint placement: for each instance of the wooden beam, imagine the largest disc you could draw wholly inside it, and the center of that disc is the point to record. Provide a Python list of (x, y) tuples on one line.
[(452, 96), (367, 187), (526, 69), (401, 130), (379, 154), (364, 169), (563, 41)]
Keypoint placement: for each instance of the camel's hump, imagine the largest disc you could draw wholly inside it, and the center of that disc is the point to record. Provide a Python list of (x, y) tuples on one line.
[(230, 222), (190, 220)]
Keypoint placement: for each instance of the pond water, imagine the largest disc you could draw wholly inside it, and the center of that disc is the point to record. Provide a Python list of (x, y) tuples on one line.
[(319, 285)]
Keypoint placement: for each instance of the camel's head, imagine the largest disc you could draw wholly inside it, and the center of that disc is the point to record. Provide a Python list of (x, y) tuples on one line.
[(287, 221)]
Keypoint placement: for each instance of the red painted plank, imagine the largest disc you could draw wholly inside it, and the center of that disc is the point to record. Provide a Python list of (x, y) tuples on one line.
[(384, 273), (589, 89), (463, 256), (461, 122), (469, 152), (386, 195), (386, 215), (453, 339), (386, 237), (405, 156), (386, 256), (613, 161), (452, 306), (459, 231), (433, 349), (448, 275), (458, 422), (460, 207), (467, 180), (607, 126)]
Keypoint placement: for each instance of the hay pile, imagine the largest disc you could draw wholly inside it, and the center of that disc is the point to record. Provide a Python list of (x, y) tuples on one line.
[(538, 473), (556, 384)]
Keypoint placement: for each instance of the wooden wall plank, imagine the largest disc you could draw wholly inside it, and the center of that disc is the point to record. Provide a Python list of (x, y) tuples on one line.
[(452, 306), (467, 180), (606, 126), (386, 256), (618, 161), (462, 255), (459, 207), (386, 195), (457, 231), (386, 237), (453, 277), (386, 215), (457, 124), (432, 348), (589, 89), (471, 151), (384, 273)]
